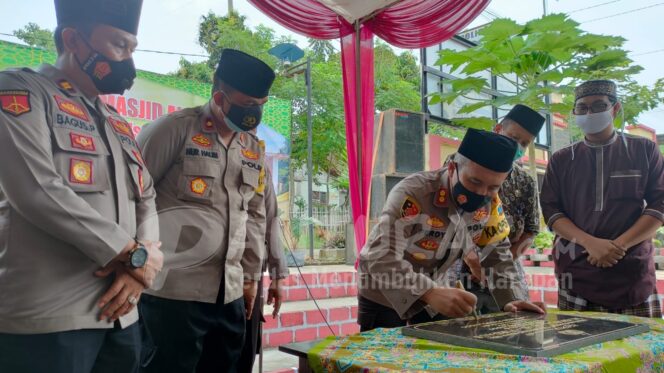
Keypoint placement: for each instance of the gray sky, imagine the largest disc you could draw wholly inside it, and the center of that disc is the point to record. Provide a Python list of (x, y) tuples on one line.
[(172, 25)]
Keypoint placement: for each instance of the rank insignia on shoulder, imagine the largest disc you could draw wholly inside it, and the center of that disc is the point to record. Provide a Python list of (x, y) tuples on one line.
[(198, 186), (66, 86), (202, 140), (250, 155), (435, 222), (441, 198), (410, 208), (16, 102), (208, 125), (80, 171), (82, 142), (71, 108)]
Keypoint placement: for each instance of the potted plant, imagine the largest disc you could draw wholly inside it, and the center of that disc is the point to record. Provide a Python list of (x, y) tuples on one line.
[(542, 244)]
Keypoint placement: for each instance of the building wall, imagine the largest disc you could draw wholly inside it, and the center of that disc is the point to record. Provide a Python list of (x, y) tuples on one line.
[(643, 131)]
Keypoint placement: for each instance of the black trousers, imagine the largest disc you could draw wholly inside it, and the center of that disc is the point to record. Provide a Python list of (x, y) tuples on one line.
[(77, 351), (372, 315), (253, 338), (194, 336)]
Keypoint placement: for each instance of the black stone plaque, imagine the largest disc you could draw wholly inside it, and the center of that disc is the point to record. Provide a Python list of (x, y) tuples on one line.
[(525, 333)]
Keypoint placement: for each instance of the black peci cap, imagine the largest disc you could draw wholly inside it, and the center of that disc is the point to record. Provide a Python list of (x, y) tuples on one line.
[(245, 73), (527, 118), (122, 14), (489, 150)]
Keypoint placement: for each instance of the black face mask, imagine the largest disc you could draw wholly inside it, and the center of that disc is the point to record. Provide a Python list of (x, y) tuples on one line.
[(107, 75), (467, 200), (243, 119)]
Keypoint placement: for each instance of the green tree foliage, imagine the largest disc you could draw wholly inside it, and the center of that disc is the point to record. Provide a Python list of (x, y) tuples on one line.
[(551, 49), (35, 36), (200, 71), (397, 79), (321, 50)]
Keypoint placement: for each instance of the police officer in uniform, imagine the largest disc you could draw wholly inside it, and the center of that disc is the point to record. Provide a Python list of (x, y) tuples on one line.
[(204, 157), (75, 200), (430, 220)]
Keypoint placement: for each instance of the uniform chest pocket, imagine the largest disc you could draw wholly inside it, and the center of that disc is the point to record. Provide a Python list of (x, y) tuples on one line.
[(198, 180), (82, 160), (626, 184)]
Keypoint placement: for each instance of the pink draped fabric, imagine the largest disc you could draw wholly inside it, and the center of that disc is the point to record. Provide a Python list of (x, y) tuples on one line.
[(406, 24), (359, 189), (305, 17), (422, 23)]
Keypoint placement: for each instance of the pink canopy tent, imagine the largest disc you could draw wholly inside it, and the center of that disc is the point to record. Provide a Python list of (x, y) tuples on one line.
[(402, 23)]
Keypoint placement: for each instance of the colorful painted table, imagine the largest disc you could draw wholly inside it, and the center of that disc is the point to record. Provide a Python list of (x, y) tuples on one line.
[(387, 350)]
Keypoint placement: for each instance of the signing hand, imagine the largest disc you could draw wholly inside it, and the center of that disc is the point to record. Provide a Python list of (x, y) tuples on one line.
[(275, 294), (122, 296), (250, 290), (450, 302)]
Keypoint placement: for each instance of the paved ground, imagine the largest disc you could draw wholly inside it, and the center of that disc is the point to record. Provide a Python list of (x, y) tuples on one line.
[(273, 360)]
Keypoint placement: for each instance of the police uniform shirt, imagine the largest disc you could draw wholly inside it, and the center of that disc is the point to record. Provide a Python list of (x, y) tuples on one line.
[(420, 234), (192, 167), (74, 192)]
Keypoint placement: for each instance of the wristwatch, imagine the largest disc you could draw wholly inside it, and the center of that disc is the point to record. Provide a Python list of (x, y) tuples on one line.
[(138, 256)]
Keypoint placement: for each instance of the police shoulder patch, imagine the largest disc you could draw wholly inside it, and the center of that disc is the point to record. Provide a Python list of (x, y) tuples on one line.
[(82, 142), (410, 208), (202, 140), (427, 244), (419, 256), (250, 154), (15, 102), (121, 126), (80, 171), (480, 214), (436, 222), (71, 108), (198, 186)]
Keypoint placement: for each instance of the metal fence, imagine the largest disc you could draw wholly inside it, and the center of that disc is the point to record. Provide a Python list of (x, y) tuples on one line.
[(333, 220)]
